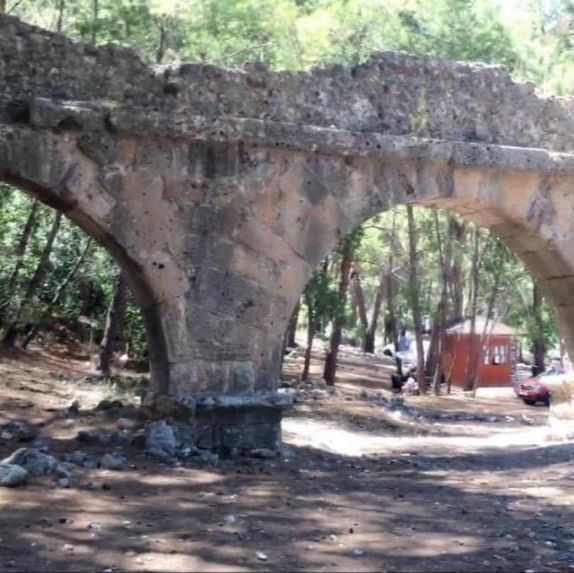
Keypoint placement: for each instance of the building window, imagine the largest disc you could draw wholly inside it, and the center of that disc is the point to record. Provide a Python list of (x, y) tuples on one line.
[(499, 354)]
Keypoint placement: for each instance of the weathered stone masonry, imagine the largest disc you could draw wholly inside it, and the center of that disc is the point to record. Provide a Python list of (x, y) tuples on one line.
[(218, 191)]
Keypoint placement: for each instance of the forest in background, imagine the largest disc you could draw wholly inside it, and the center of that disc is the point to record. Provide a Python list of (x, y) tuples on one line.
[(406, 267)]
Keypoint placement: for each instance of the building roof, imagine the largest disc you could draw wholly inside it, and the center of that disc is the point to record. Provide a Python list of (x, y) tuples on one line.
[(496, 328)]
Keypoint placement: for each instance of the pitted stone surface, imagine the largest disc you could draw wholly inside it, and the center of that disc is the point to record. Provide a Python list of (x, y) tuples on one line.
[(218, 191)]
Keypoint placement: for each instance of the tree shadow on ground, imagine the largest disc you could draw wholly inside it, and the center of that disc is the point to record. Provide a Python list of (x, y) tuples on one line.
[(319, 511)]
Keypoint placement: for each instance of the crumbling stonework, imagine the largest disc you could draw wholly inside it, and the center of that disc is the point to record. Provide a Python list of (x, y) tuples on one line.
[(218, 191)]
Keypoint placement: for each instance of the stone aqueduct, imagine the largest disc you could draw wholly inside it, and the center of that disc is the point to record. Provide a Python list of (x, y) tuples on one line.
[(218, 191)]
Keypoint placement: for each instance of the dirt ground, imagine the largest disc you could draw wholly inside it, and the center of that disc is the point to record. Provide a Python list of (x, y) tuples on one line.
[(362, 488)]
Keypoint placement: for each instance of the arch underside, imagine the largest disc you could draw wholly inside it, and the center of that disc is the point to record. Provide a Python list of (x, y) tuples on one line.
[(38, 169), (531, 211)]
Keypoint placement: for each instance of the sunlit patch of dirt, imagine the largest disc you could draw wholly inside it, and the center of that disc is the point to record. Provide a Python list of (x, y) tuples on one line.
[(355, 493)]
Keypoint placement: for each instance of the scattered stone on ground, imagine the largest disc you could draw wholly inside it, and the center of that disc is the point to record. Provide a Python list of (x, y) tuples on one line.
[(37, 463), (264, 454), (81, 459), (12, 475), (108, 405), (353, 502), (19, 430), (261, 556), (160, 441), (73, 408), (113, 461), (127, 424)]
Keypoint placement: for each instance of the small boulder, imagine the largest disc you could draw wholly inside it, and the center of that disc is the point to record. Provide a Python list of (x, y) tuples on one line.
[(85, 437), (12, 475), (73, 408), (208, 457), (79, 458), (263, 454), (115, 462), (127, 424), (63, 482), (64, 474), (109, 405), (160, 440), (19, 431), (35, 462), (318, 394), (122, 438)]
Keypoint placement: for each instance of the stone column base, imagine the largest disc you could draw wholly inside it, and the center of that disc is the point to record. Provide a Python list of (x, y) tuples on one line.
[(227, 425)]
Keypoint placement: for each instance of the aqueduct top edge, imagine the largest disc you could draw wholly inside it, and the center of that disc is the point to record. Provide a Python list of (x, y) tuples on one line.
[(393, 94)]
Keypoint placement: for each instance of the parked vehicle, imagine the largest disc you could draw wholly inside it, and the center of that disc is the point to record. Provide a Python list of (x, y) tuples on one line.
[(533, 390)]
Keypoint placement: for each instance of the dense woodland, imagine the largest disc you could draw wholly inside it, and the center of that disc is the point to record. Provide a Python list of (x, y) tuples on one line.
[(410, 267)]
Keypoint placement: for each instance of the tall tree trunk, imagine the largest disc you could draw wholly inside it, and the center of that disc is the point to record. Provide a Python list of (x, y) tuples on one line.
[(58, 295), (445, 262), (95, 16), (361, 306), (19, 253), (432, 354), (538, 345), (292, 328), (2, 6), (11, 332), (113, 326), (457, 230), (310, 337), (391, 314), (473, 350), (441, 342), (354, 308), (161, 44), (377, 305), (330, 370), (60, 21), (414, 296)]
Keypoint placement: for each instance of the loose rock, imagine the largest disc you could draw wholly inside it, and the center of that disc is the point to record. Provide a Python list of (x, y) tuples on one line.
[(37, 463), (63, 482), (261, 556), (263, 454), (127, 424), (12, 475), (18, 430), (160, 440), (73, 409), (109, 405), (115, 462), (81, 459)]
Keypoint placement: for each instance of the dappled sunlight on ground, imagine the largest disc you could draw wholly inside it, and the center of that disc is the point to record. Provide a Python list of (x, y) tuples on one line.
[(356, 493)]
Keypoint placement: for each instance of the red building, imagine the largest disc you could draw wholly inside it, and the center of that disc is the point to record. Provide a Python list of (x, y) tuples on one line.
[(495, 342)]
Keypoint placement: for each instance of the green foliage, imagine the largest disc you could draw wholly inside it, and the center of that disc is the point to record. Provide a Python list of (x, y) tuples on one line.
[(458, 29), (320, 296)]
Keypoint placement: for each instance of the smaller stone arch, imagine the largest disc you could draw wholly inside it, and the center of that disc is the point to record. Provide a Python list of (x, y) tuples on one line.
[(51, 168)]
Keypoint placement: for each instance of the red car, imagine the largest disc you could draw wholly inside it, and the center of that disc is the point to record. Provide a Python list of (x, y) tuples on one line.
[(533, 390)]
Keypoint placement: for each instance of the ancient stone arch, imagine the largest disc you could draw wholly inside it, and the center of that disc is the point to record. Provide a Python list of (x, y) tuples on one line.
[(218, 191)]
